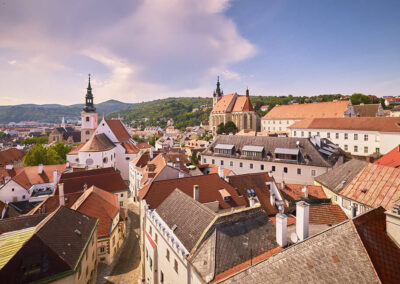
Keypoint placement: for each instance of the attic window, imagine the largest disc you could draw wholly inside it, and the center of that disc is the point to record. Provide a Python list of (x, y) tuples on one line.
[(251, 192), (174, 227), (225, 194)]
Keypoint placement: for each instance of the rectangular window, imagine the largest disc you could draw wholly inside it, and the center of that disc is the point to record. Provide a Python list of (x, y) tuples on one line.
[(302, 134), (346, 136), (213, 161), (167, 255), (337, 135), (313, 173), (318, 134), (309, 134), (102, 249), (262, 167), (346, 147), (205, 161), (285, 170), (241, 165), (355, 136), (151, 264), (366, 137), (355, 148), (299, 171), (222, 162), (294, 133), (377, 150), (251, 166), (365, 150), (161, 277), (156, 238), (176, 266), (328, 135), (273, 168), (335, 198), (231, 163), (121, 203), (150, 230)]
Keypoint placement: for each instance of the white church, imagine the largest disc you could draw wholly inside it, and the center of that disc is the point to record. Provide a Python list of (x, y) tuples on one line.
[(105, 144)]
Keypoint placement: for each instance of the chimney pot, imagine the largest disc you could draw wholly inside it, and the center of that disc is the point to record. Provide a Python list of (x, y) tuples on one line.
[(196, 192), (302, 219), (281, 229), (40, 169), (61, 194)]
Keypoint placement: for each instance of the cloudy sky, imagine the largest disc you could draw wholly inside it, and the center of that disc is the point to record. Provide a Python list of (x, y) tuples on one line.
[(139, 50)]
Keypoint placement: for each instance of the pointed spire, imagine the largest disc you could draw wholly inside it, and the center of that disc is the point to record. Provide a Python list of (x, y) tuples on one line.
[(89, 86), (89, 107), (247, 92), (63, 122), (218, 91)]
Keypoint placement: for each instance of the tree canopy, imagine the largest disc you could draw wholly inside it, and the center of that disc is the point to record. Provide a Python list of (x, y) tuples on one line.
[(52, 155), (35, 140), (228, 127)]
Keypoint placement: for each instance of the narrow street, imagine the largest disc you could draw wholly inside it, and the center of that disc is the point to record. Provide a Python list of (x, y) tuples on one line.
[(126, 268)]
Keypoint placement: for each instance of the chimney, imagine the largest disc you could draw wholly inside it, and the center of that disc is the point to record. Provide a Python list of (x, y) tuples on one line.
[(40, 169), (393, 223), (252, 201), (196, 192), (272, 197), (85, 187), (61, 194), (55, 177), (302, 217), (151, 154), (305, 190), (283, 184), (221, 172), (181, 175), (281, 229)]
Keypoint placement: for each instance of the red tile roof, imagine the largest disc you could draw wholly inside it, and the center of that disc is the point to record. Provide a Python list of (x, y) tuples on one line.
[(385, 124), (98, 142), (118, 129), (391, 159), (130, 148), (294, 191), (51, 203), (143, 145), (375, 186), (242, 103), (10, 156), (28, 176), (326, 213), (383, 252), (302, 111), (290, 220), (76, 149), (158, 191), (224, 104)]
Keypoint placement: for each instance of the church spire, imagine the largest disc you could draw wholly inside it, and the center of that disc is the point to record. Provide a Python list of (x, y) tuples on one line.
[(247, 92), (89, 107), (218, 91)]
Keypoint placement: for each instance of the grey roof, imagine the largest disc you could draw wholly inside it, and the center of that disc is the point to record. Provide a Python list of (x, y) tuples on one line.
[(287, 151), (309, 154), (190, 217), (337, 178), (253, 148), (224, 146), (20, 222), (234, 239), (335, 255)]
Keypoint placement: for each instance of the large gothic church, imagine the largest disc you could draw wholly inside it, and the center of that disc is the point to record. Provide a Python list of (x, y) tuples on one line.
[(234, 108)]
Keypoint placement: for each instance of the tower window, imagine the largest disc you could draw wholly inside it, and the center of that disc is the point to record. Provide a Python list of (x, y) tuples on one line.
[(87, 118)]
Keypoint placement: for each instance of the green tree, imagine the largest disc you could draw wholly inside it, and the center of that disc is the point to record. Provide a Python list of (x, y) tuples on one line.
[(137, 138), (35, 140), (221, 128), (39, 154), (230, 127), (357, 99), (62, 150)]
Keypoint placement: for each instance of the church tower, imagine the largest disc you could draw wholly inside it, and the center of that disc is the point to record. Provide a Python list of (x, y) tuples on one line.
[(217, 95), (88, 116)]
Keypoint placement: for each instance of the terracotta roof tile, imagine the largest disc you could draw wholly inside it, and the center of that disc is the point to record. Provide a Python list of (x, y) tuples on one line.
[(51, 203), (76, 149), (368, 110), (295, 192), (386, 124), (98, 142), (130, 148), (118, 129), (391, 159), (209, 185), (242, 103), (302, 111), (225, 104), (28, 176), (326, 213), (143, 145), (10, 156)]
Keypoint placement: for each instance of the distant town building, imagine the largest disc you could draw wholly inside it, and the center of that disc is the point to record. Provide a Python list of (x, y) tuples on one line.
[(235, 108), (392, 101), (264, 108), (65, 134), (369, 110)]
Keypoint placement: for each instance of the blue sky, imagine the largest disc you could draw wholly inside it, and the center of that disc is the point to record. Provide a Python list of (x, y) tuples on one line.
[(148, 49)]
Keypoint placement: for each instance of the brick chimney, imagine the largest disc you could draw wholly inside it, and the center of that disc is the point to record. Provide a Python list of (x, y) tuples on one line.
[(393, 223), (196, 192), (281, 229), (61, 194), (302, 219)]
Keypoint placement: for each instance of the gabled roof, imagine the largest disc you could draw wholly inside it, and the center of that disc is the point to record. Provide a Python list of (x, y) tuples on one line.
[(391, 159), (383, 124), (28, 176), (242, 103), (209, 185), (10, 156), (143, 145), (107, 179), (357, 250), (51, 203), (130, 148), (326, 213), (69, 131), (97, 143), (225, 104), (367, 110), (20, 222), (337, 178), (118, 129), (312, 110), (175, 211), (374, 186), (293, 192)]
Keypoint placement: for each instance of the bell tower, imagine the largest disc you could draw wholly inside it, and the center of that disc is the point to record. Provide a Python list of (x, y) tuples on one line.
[(217, 95), (88, 116)]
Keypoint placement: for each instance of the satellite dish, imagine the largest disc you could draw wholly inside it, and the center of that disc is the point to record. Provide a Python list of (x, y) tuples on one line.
[(294, 238)]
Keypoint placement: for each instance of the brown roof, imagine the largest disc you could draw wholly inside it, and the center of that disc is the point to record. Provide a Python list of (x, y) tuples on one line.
[(98, 142), (256, 181), (224, 104), (20, 222), (326, 213), (118, 129), (391, 159), (294, 192), (76, 149), (368, 110), (130, 148), (242, 103), (312, 110), (10, 156), (143, 145), (28, 176), (384, 124), (110, 181), (375, 186), (209, 185), (51, 203)]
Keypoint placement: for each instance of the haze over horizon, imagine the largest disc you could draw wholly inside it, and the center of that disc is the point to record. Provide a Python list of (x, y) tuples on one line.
[(274, 47)]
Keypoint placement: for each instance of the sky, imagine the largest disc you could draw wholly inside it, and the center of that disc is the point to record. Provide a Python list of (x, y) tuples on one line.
[(140, 50)]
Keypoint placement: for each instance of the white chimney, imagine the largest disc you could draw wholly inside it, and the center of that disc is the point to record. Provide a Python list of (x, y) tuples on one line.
[(181, 174), (305, 190), (55, 176), (283, 184), (61, 194), (40, 169), (252, 201), (302, 217), (221, 172), (196, 192), (151, 153), (281, 229), (393, 223), (272, 197)]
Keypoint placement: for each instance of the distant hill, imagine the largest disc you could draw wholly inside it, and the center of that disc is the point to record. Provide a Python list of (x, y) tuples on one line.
[(53, 112)]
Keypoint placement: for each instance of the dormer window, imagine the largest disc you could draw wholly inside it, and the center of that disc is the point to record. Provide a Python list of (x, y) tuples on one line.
[(286, 154), (225, 149), (253, 151), (225, 194)]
